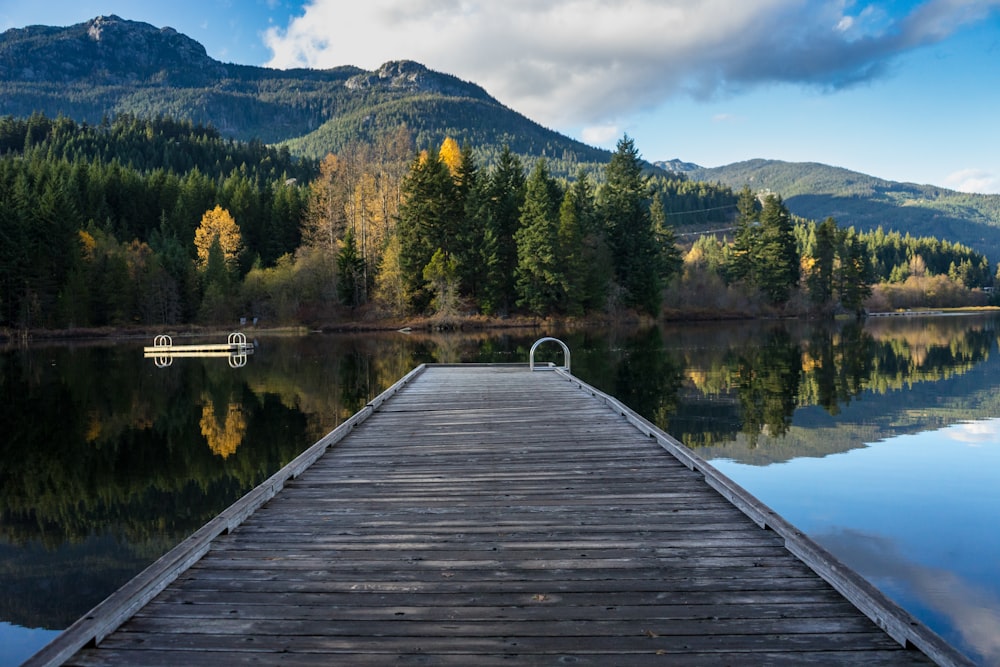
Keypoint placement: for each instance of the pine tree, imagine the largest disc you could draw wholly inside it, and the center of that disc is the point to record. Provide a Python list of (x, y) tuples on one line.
[(855, 275), (350, 272), (471, 231), (429, 220), (777, 264), (741, 263), (441, 274), (572, 251), (504, 195), (820, 278), (624, 207), (595, 268), (669, 261), (539, 275)]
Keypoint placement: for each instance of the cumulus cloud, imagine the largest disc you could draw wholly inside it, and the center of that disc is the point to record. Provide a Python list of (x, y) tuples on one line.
[(591, 62), (599, 135), (973, 180)]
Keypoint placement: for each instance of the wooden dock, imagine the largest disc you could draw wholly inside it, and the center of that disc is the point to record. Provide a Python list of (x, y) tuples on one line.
[(488, 515), (163, 350), (163, 345)]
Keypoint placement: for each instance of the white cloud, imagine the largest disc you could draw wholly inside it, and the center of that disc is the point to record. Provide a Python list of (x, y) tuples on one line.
[(601, 135), (589, 62), (973, 180), (725, 118)]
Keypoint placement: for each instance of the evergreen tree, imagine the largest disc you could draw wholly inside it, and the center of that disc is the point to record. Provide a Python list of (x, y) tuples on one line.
[(669, 260), (350, 272), (504, 195), (624, 207), (741, 263), (471, 232), (429, 219), (539, 273), (572, 251), (596, 269), (441, 274), (855, 274), (824, 253), (777, 264)]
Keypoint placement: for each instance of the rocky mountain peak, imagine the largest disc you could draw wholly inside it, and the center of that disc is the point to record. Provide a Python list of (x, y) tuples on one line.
[(410, 76), (106, 50)]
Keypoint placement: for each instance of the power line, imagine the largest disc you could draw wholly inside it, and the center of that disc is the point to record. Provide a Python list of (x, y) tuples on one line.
[(707, 231), (704, 210)]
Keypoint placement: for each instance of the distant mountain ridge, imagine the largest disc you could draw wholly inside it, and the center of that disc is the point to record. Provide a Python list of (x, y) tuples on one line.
[(109, 65), (817, 191)]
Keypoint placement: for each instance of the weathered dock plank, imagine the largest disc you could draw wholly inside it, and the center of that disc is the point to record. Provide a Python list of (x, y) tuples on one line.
[(488, 515)]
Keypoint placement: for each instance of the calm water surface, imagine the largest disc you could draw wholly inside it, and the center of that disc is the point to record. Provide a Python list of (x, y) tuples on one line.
[(882, 442)]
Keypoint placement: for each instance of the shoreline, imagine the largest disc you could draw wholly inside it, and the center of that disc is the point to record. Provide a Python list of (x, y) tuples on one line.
[(10, 337)]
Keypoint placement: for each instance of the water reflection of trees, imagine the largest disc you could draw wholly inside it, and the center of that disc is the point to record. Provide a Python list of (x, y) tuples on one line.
[(767, 383), (744, 381), (98, 437), (100, 443), (91, 432)]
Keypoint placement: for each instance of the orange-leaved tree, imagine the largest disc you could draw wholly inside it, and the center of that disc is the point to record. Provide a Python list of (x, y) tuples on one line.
[(218, 225)]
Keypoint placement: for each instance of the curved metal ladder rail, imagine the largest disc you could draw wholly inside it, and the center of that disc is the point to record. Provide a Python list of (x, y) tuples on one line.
[(565, 348)]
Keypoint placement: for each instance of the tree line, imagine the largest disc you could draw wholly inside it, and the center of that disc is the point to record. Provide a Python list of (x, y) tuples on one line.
[(161, 222)]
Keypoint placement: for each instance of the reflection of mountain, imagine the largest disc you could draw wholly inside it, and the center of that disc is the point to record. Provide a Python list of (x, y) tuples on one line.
[(917, 586)]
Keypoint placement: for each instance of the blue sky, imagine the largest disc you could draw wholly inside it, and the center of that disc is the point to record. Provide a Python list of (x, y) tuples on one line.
[(907, 90)]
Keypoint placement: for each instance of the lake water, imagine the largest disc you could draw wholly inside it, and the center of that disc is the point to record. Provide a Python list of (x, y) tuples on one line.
[(882, 442)]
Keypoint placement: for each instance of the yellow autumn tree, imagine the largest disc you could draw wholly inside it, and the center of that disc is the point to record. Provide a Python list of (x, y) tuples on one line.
[(218, 224), (326, 216), (451, 155)]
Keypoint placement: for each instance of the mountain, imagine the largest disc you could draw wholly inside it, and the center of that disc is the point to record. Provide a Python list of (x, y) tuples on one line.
[(109, 66), (817, 191)]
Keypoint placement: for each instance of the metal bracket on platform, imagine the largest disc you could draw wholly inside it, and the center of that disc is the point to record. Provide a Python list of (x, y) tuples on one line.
[(531, 355)]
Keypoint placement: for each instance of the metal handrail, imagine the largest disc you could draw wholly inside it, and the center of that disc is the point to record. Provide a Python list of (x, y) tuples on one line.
[(565, 348)]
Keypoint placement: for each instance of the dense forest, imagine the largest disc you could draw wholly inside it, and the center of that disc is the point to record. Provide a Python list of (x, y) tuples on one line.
[(162, 222)]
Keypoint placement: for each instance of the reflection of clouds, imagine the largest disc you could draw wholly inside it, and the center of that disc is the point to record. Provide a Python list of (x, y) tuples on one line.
[(974, 614), (981, 432)]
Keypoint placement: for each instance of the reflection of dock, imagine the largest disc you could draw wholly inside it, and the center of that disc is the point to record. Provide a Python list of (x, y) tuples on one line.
[(906, 313), (164, 351), (486, 515)]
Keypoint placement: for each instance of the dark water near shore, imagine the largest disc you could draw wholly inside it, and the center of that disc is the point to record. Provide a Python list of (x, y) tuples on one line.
[(882, 442)]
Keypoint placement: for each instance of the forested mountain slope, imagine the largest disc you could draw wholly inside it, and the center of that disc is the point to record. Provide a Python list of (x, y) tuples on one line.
[(815, 191), (109, 66)]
